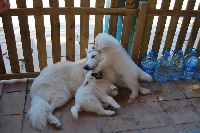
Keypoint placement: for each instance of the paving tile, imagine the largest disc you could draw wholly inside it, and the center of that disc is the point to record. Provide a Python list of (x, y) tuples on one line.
[(167, 91), (14, 85), (181, 111), (12, 103), (188, 127), (196, 103), (167, 129), (28, 102), (123, 116), (87, 123), (191, 88), (149, 115), (10, 124)]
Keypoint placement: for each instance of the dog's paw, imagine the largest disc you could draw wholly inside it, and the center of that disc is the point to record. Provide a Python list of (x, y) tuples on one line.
[(117, 106), (113, 87), (144, 90), (55, 123), (132, 96), (109, 112)]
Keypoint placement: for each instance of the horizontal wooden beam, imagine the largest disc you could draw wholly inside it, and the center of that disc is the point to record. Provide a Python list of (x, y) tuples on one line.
[(69, 10), (19, 75), (175, 13)]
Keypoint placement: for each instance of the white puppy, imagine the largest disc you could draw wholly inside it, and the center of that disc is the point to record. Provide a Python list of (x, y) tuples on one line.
[(92, 93), (114, 56)]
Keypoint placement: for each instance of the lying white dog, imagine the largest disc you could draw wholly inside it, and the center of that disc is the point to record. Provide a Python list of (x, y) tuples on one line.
[(92, 93), (114, 56)]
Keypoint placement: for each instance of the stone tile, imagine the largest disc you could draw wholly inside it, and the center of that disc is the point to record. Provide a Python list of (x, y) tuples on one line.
[(14, 85), (87, 123), (188, 127), (181, 111), (10, 124), (12, 103), (167, 129), (28, 102), (196, 103), (167, 91), (191, 88), (123, 116), (149, 115)]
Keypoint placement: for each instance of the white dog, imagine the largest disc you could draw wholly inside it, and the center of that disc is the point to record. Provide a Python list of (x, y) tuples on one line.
[(92, 93), (114, 56)]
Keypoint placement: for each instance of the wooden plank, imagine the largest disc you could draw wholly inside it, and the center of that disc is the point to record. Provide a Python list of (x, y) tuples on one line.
[(68, 10), (172, 26), (113, 18), (84, 29), (160, 27), (11, 43), (40, 35), (147, 30), (25, 38), (198, 48), (55, 33), (127, 25), (2, 65), (139, 31), (193, 34), (19, 75), (70, 33), (184, 26), (99, 18)]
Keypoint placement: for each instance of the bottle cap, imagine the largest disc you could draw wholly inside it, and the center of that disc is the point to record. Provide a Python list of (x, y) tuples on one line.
[(179, 52), (151, 53), (167, 53), (193, 52)]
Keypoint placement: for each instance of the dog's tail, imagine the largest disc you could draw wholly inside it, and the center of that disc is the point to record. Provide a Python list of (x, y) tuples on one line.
[(145, 76), (38, 113), (74, 110)]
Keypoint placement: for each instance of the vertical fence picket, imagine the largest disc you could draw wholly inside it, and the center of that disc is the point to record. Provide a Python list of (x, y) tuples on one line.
[(70, 33), (193, 34), (99, 18), (184, 26), (172, 26), (55, 33), (84, 29), (147, 30), (11, 43), (25, 38), (40, 35), (127, 25), (160, 26), (139, 31), (113, 18), (2, 65)]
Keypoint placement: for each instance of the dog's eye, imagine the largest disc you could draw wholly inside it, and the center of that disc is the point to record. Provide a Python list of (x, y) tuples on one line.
[(93, 56)]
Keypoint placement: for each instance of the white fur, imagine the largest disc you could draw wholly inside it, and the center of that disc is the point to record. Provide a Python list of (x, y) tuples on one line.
[(90, 95), (114, 56)]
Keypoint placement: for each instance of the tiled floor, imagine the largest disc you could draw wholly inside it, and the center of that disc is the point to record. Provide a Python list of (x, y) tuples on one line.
[(171, 107)]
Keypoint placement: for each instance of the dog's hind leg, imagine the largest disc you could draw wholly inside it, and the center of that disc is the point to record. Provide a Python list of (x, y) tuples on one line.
[(133, 85), (53, 120), (110, 101)]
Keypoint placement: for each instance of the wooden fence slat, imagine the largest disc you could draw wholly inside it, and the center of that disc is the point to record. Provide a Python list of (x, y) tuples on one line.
[(25, 38), (172, 27), (70, 33), (2, 65), (55, 33), (11, 43), (113, 18), (99, 18), (184, 26), (193, 34), (40, 35), (198, 48), (160, 26), (19, 75), (84, 29), (147, 31), (127, 25), (139, 31)]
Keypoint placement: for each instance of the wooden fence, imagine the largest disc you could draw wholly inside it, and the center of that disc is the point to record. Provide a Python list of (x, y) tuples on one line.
[(141, 40)]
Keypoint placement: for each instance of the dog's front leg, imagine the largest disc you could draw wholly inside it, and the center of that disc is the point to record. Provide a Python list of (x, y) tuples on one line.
[(102, 65)]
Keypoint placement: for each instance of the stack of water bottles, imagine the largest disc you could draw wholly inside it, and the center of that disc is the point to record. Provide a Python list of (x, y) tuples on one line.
[(172, 68)]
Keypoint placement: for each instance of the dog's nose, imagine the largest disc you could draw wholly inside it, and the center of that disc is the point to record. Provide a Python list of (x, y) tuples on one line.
[(86, 67)]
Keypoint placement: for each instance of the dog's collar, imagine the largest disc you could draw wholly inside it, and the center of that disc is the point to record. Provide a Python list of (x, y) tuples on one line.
[(98, 75)]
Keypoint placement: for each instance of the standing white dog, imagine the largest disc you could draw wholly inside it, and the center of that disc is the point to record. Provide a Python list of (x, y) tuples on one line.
[(114, 56), (92, 93)]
